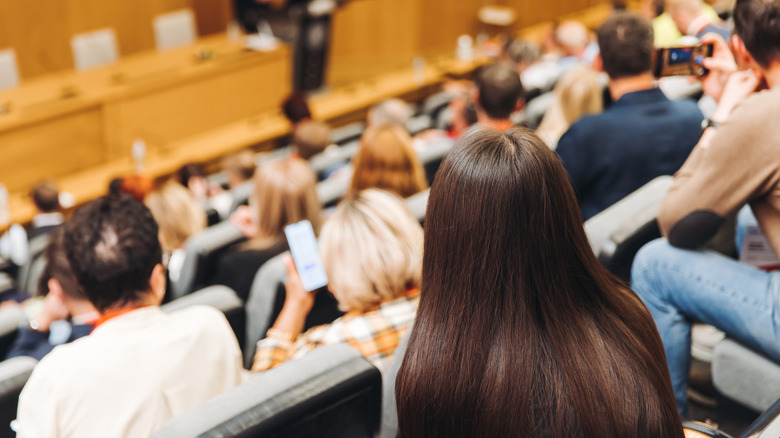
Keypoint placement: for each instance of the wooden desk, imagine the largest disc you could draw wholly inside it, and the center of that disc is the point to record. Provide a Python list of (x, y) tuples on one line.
[(69, 122)]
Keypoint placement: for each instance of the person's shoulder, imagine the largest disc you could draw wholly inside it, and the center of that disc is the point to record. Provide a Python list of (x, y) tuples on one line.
[(581, 132), (686, 108), (199, 314)]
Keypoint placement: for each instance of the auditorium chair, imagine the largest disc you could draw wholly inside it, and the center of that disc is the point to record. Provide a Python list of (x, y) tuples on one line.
[(31, 271), (330, 191), (418, 124), (174, 29), (435, 104), (11, 317), (220, 297), (94, 49), (9, 71), (347, 133), (432, 154), (202, 250), (260, 303), (14, 373), (331, 392), (333, 156), (389, 425), (240, 195), (617, 233), (418, 203), (745, 376)]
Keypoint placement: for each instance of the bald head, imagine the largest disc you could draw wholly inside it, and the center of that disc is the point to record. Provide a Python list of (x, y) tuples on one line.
[(572, 37), (683, 12)]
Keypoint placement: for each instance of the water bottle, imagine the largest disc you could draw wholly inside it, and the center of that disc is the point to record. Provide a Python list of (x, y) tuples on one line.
[(139, 153), (5, 209)]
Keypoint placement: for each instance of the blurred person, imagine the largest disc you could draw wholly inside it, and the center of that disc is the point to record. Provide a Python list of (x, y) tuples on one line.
[(46, 198), (311, 138), (389, 112), (535, 73), (387, 160), (371, 252), (574, 42), (520, 331), (642, 135), (139, 367), (192, 176), (239, 167), (498, 93), (296, 108), (579, 92), (178, 215), (136, 185), (691, 19), (64, 300), (734, 164), (665, 32), (284, 193)]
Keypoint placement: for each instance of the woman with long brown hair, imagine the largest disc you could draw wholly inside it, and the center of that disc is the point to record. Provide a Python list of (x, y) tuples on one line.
[(520, 331)]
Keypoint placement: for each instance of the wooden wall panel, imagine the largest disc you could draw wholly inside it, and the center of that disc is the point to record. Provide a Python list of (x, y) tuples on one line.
[(40, 30)]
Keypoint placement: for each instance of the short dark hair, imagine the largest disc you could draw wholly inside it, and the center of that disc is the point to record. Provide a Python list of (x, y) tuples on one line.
[(112, 247), (58, 268), (45, 196), (626, 44), (296, 108), (499, 89), (757, 22)]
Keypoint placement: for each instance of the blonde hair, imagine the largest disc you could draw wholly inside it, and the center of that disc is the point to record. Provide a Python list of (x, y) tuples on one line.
[(579, 92), (386, 160), (371, 249), (178, 214), (240, 166), (285, 192)]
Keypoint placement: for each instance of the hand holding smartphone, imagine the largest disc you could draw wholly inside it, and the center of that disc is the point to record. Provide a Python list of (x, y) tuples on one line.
[(303, 247), (682, 60)]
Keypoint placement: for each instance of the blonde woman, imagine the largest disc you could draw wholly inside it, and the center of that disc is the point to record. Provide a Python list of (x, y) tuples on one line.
[(579, 92), (284, 193), (372, 252), (179, 215), (387, 160)]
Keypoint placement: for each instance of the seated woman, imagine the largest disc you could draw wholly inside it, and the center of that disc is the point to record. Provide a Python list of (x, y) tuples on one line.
[(285, 192), (520, 331), (387, 160), (371, 249), (178, 215)]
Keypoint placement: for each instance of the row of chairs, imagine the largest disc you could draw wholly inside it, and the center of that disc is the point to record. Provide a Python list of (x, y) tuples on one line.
[(99, 47)]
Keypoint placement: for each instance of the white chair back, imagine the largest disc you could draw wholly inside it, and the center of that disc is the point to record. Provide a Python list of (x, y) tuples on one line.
[(174, 29), (94, 49), (9, 70)]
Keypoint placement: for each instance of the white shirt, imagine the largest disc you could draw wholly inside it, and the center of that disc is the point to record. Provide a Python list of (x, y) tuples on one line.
[(131, 375)]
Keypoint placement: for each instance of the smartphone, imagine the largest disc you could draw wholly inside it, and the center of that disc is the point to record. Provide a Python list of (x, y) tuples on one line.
[(682, 60), (303, 246)]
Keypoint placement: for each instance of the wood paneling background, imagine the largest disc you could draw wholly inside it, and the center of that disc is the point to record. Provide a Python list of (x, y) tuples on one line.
[(40, 30)]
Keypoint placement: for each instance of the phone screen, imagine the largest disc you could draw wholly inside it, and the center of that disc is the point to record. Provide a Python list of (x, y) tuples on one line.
[(303, 246), (682, 61)]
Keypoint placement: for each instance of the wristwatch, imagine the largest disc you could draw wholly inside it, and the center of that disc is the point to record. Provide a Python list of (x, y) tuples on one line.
[(35, 326), (708, 123)]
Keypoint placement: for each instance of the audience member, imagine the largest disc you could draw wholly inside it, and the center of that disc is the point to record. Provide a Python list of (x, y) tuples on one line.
[(641, 136), (139, 367), (691, 19), (46, 197), (239, 167), (387, 160), (178, 215), (665, 32), (137, 186), (64, 299), (310, 138), (735, 163), (285, 192), (389, 112), (498, 94), (574, 42), (537, 74), (520, 330), (193, 177), (296, 108), (371, 250), (578, 93)]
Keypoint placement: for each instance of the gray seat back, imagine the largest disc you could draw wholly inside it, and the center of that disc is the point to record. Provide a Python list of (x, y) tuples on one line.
[(260, 303), (333, 156), (31, 270), (418, 203), (347, 133), (389, 427), (11, 317), (747, 377), (331, 392), (330, 191), (201, 252), (14, 374)]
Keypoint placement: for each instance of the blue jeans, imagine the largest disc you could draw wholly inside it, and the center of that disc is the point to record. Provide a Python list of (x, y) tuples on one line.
[(680, 287)]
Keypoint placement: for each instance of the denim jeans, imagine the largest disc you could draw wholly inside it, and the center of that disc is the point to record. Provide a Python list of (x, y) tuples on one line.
[(680, 287)]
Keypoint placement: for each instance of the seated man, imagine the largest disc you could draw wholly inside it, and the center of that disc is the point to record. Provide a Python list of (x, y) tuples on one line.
[(641, 136), (498, 94), (139, 367), (691, 19), (735, 163), (46, 197), (64, 299)]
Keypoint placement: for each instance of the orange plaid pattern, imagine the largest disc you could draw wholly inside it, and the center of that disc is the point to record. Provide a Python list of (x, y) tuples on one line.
[(375, 333)]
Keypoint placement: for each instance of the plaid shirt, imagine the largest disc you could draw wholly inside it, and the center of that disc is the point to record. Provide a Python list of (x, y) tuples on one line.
[(375, 333)]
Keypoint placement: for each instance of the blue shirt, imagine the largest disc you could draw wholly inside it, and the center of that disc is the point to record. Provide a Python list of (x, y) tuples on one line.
[(641, 136)]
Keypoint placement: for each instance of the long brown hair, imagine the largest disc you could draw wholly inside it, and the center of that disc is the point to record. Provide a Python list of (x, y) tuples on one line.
[(387, 160), (520, 331)]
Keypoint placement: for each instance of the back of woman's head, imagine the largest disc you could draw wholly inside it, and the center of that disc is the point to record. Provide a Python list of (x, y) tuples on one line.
[(578, 93), (387, 160), (178, 214), (371, 249), (520, 331), (285, 192)]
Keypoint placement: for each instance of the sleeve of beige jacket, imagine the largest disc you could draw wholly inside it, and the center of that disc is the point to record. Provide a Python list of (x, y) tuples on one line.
[(728, 168), (37, 415)]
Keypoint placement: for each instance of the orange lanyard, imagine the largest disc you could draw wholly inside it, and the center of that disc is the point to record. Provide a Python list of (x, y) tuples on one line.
[(110, 315)]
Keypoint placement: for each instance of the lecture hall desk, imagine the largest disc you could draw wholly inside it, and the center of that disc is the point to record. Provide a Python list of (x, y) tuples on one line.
[(60, 124)]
